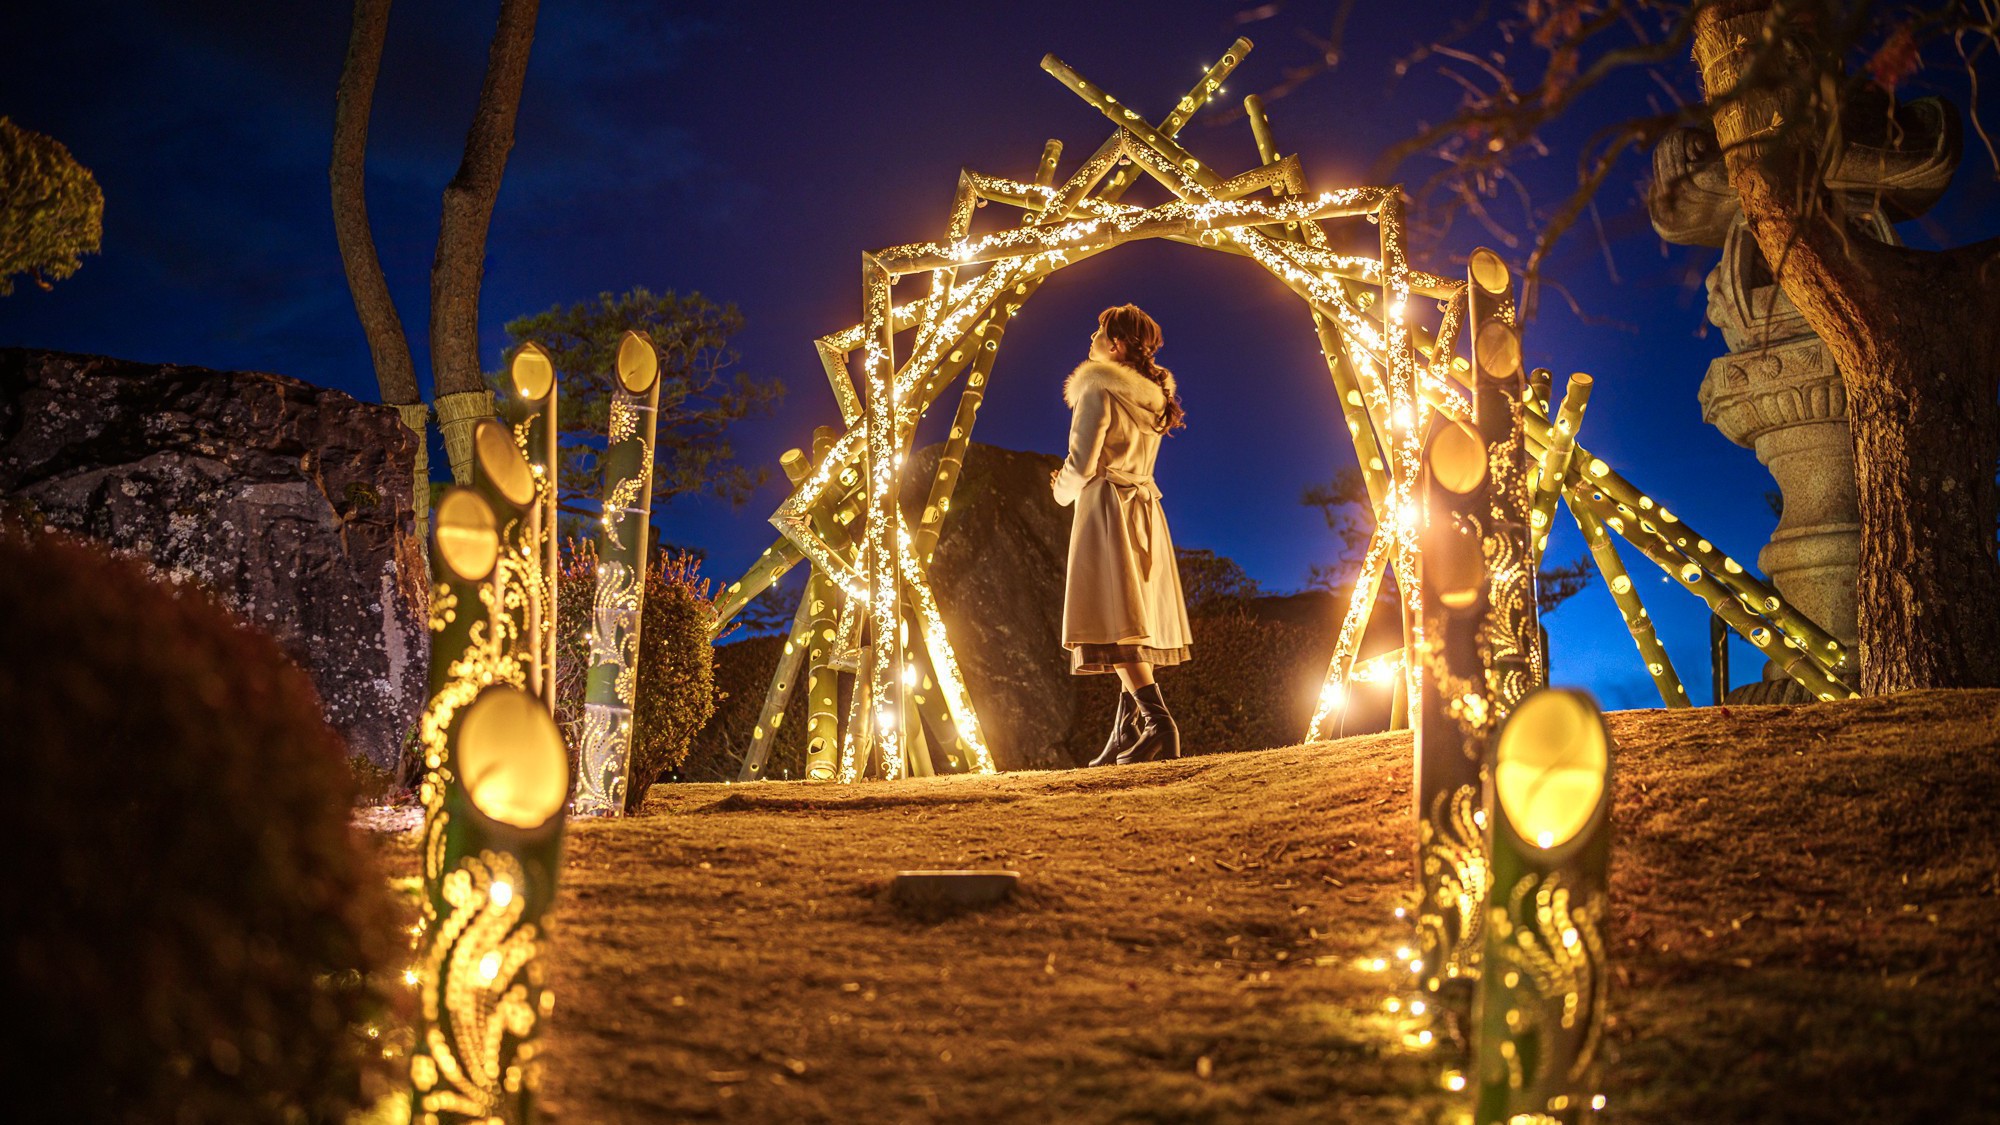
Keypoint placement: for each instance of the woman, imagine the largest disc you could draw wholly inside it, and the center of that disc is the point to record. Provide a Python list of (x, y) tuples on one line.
[(1122, 607)]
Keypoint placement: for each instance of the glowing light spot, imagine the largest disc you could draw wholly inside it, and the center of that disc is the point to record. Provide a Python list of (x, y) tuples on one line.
[(489, 966), (502, 893)]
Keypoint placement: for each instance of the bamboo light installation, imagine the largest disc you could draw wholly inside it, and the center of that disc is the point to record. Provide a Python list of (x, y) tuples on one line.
[(1390, 334), (533, 375), (494, 784), (624, 538), (797, 640), (1452, 713), (1541, 999)]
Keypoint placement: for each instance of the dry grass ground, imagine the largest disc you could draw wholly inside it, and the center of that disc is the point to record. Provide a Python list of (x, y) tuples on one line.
[(1806, 905)]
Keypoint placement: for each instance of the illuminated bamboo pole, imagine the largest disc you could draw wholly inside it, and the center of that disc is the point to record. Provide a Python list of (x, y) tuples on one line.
[(834, 360), (1637, 621), (610, 693), (496, 776), (779, 696), (1675, 548), (927, 692), (785, 676), (1541, 1000), (777, 559), (822, 680), (1399, 369), (1555, 459), (951, 457), (1754, 593), (884, 517), (857, 737), (534, 377), (1511, 638), (1331, 708), (1795, 662), (1045, 170), (963, 721), (916, 744), (1454, 708)]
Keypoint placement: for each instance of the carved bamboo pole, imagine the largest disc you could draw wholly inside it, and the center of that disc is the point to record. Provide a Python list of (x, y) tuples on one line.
[(624, 537), (1452, 713), (1511, 637), (496, 776), (534, 377), (1541, 1000)]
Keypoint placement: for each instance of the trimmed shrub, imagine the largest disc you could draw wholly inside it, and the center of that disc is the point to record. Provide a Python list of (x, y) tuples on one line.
[(676, 662), (194, 932)]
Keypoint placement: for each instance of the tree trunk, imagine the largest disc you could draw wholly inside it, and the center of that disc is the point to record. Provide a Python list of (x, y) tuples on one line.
[(388, 345), (1916, 337), (461, 250), (1926, 441), (395, 375)]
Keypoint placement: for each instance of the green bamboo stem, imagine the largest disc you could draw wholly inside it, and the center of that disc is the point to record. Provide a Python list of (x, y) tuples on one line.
[(624, 536), (1637, 621), (1555, 459)]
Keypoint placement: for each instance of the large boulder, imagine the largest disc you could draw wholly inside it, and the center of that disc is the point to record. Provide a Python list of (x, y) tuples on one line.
[(290, 503), (998, 572)]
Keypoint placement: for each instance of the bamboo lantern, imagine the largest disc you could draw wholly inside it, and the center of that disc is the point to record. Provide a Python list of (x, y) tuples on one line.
[(1541, 1005), (1452, 714), (1510, 638), (493, 792), (533, 374), (611, 690)]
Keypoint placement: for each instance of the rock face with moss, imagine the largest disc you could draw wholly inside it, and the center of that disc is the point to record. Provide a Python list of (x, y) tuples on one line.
[(289, 502)]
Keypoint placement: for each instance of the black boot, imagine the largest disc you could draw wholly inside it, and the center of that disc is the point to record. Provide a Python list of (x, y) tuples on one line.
[(1124, 730), (1158, 736)]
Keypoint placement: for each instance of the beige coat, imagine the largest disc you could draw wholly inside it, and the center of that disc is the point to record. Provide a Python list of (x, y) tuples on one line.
[(1124, 586)]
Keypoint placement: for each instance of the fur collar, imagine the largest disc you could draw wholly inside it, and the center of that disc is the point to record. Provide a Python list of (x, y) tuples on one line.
[(1121, 381)]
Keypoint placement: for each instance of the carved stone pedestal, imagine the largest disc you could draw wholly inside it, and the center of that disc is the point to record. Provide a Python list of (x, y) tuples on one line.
[(1786, 402)]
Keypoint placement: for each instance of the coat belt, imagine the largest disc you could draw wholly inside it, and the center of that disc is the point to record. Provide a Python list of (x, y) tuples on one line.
[(1138, 504)]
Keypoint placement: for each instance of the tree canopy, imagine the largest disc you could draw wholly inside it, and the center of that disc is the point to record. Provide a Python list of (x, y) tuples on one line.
[(701, 395), (51, 209)]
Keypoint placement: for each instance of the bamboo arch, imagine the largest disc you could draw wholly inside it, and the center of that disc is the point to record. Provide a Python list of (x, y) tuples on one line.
[(868, 607)]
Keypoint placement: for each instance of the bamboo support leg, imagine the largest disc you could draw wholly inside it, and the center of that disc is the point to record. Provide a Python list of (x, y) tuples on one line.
[(1637, 621)]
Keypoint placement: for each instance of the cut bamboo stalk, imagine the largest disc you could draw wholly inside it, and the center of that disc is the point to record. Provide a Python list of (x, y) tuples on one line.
[(1626, 595), (611, 688)]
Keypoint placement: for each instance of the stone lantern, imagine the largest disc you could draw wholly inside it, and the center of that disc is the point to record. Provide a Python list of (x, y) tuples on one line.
[(1777, 390)]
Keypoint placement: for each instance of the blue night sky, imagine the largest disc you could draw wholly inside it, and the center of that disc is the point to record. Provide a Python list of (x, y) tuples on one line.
[(752, 152)]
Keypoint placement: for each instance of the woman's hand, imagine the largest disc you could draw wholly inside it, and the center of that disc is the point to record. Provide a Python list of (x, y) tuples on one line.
[(1053, 474)]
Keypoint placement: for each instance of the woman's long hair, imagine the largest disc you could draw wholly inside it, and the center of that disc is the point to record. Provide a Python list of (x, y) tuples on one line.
[(1129, 325)]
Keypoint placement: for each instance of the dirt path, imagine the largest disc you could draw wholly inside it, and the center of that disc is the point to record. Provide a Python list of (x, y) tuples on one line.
[(1805, 909)]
